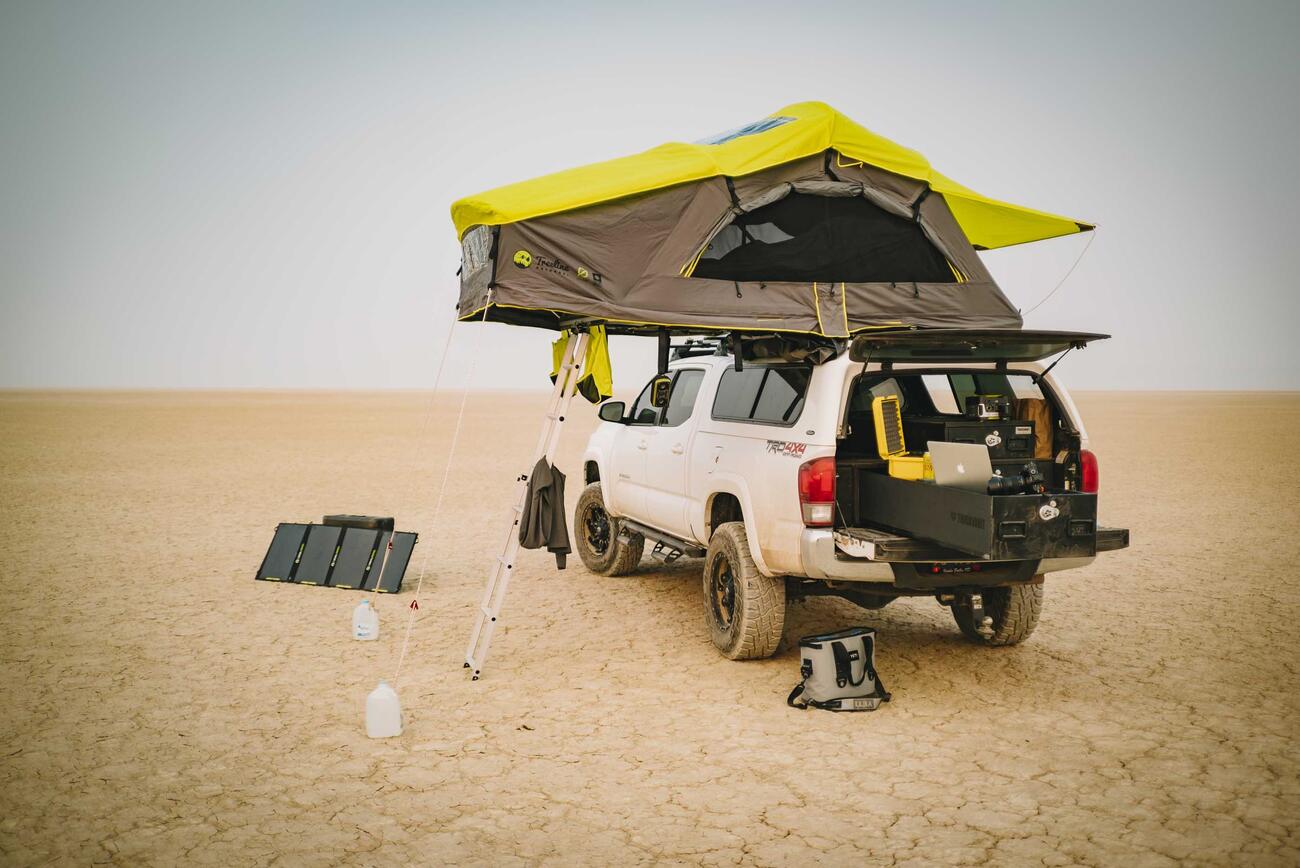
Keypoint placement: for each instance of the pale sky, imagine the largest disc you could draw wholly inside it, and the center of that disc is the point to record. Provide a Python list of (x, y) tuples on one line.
[(257, 195)]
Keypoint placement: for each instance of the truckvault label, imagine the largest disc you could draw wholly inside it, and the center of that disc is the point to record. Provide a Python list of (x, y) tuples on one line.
[(974, 521)]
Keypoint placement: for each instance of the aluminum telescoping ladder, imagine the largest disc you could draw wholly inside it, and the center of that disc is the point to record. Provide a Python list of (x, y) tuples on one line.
[(494, 595)]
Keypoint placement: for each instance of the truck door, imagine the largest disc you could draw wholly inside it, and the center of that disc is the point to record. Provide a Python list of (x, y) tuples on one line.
[(627, 477), (667, 456)]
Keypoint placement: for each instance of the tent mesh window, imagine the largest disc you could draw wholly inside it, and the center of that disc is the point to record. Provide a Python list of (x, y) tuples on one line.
[(805, 238)]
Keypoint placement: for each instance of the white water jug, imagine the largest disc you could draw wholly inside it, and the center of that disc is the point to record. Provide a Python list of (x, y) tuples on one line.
[(383, 712), (365, 622)]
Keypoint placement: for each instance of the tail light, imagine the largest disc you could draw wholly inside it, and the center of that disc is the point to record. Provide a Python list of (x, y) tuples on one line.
[(1090, 472), (817, 491)]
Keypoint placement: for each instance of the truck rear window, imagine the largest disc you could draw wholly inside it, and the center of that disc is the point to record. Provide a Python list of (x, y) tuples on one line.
[(770, 395)]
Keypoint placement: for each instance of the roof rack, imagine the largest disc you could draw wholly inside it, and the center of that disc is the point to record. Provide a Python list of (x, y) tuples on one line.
[(708, 346)]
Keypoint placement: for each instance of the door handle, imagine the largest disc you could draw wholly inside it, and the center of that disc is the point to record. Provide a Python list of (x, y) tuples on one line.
[(678, 449)]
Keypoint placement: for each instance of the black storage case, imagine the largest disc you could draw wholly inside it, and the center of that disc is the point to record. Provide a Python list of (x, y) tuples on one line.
[(367, 522), (1012, 438), (1004, 527)]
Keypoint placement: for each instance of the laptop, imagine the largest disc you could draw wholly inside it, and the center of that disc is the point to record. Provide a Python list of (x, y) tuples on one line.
[(961, 465)]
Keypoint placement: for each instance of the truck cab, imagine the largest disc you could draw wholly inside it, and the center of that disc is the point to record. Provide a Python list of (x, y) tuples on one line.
[(774, 471)]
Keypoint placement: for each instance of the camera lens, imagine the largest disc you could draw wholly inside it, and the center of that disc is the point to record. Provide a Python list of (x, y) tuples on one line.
[(1004, 485)]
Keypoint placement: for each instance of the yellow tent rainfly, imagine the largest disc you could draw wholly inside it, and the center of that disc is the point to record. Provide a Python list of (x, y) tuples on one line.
[(801, 222)]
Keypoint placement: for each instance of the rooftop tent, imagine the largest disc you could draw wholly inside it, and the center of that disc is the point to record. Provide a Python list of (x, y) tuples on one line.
[(800, 222)]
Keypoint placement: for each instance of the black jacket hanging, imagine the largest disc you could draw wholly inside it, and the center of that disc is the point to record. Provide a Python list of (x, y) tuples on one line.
[(543, 522)]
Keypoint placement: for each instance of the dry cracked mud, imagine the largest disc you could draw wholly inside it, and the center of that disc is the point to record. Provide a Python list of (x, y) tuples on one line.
[(163, 708)]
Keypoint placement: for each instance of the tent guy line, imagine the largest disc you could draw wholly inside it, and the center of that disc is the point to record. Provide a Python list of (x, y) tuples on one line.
[(1091, 238), (442, 491)]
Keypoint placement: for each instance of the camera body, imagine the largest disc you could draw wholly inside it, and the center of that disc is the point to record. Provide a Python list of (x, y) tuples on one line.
[(987, 408)]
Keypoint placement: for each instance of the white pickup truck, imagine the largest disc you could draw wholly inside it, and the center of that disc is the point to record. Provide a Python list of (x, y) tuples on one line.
[(772, 470)]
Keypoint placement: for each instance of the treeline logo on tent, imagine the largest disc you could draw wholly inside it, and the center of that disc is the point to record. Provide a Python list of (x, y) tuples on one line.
[(524, 259), (557, 265)]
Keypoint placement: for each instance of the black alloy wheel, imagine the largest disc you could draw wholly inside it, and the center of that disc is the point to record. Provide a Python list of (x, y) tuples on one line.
[(595, 523), (723, 584)]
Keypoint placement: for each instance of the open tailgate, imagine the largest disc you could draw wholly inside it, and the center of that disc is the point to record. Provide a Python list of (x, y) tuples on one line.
[(966, 345)]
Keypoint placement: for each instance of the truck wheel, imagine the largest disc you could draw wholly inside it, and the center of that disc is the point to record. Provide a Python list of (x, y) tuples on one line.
[(597, 534), (745, 609), (1014, 611)]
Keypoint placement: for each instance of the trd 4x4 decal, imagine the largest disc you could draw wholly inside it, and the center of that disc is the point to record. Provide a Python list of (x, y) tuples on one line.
[(785, 447)]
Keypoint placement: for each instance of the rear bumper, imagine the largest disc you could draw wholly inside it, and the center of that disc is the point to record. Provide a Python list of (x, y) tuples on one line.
[(874, 560)]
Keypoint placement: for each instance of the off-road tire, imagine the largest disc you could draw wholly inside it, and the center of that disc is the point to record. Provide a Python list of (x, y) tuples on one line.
[(749, 626), (1014, 611), (618, 558)]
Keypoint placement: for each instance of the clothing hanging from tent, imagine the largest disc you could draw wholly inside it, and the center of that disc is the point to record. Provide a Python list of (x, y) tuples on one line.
[(543, 522), (597, 383)]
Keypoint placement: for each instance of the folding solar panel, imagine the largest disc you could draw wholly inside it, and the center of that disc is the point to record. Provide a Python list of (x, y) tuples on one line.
[(390, 582), (349, 554), (282, 556), (318, 555), (354, 556)]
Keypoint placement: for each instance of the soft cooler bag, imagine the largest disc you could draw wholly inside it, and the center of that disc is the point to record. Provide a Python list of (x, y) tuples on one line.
[(839, 672)]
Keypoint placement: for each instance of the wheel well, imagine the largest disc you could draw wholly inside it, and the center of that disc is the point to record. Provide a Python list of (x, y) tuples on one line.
[(722, 509), (591, 472)]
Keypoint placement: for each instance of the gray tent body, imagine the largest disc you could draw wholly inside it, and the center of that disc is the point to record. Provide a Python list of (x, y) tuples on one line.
[(628, 263)]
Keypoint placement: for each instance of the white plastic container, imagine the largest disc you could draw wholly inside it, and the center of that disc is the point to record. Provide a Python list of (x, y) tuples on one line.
[(383, 712), (365, 622)]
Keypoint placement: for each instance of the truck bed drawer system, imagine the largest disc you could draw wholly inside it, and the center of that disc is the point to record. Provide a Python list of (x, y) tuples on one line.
[(991, 527), (1007, 439)]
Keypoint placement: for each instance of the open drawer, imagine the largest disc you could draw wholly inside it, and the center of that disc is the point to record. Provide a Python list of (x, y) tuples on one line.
[(1001, 527)]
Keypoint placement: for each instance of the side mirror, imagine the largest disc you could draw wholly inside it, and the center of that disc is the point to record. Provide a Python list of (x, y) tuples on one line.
[(659, 389), (612, 411)]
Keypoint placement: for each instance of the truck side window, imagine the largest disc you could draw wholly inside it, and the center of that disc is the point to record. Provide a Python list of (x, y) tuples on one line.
[(773, 396), (681, 403), (737, 392), (780, 401)]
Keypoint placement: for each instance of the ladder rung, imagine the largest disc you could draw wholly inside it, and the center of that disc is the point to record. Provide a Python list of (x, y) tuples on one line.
[(486, 611)]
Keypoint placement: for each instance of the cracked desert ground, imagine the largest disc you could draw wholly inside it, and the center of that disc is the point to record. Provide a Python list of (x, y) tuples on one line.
[(162, 708)]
